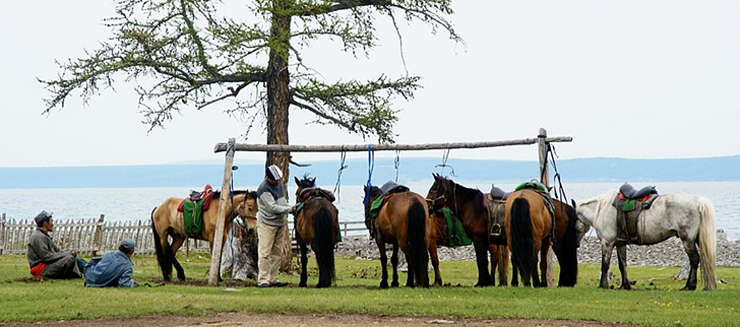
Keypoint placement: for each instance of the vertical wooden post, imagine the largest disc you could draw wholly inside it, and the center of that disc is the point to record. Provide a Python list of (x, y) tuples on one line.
[(545, 180), (98, 235), (213, 273), (2, 233)]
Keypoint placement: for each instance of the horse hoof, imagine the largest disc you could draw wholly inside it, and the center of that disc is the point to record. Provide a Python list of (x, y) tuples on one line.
[(383, 285), (394, 284), (302, 285)]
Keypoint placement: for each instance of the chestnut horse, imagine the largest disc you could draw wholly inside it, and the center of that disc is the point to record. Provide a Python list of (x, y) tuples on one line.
[(167, 221), (467, 205), (317, 224), (564, 245), (404, 222), (528, 225)]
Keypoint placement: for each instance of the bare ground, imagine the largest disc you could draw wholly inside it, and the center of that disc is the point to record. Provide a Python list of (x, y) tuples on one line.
[(310, 320)]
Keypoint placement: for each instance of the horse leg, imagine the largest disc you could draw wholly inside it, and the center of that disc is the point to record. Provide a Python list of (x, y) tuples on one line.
[(494, 263), (622, 258), (176, 243), (690, 248), (394, 265), (606, 258), (543, 264), (383, 265), (435, 263), (514, 275), (304, 264), (481, 258), (503, 264)]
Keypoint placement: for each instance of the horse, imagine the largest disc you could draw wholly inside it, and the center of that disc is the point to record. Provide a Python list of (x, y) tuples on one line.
[(468, 205), (167, 221), (689, 217), (528, 225), (564, 244), (404, 222), (317, 224)]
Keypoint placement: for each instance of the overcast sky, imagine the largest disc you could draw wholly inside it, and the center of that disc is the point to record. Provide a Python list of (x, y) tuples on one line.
[(633, 79)]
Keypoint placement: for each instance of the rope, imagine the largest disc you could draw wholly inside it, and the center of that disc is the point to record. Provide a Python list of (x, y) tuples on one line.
[(557, 182), (444, 164), (396, 163), (370, 167), (342, 167)]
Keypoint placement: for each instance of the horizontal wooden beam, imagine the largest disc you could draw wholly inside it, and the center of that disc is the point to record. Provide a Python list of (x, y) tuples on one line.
[(221, 147)]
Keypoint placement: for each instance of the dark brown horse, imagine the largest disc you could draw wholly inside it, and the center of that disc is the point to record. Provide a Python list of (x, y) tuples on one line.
[(167, 221), (317, 224), (467, 205), (404, 222), (529, 227)]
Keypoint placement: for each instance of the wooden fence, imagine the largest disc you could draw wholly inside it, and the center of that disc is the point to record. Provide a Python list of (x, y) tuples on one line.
[(93, 236)]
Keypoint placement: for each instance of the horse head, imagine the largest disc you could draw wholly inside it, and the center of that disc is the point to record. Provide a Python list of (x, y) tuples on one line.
[(438, 192), (245, 206), (370, 196), (585, 214), (304, 183)]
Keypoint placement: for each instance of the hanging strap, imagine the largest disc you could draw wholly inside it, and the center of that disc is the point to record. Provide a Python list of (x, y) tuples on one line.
[(396, 163), (370, 167), (444, 164), (342, 167)]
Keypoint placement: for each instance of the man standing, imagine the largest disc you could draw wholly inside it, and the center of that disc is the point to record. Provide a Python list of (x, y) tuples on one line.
[(45, 258), (113, 269), (272, 210)]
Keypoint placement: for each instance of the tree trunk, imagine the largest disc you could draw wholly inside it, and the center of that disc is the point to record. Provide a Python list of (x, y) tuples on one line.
[(278, 101)]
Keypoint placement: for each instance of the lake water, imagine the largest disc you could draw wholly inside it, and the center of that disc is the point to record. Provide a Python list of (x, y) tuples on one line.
[(121, 204)]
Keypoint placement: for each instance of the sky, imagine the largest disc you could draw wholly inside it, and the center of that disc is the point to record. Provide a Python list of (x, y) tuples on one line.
[(631, 79)]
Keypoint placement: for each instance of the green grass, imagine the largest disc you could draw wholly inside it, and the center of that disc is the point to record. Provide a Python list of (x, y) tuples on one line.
[(655, 301)]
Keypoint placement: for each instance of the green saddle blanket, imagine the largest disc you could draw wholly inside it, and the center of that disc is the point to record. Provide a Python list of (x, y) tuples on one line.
[(533, 184), (375, 206), (455, 233), (192, 216)]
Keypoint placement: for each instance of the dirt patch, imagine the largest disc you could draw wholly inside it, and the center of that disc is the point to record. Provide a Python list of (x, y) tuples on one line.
[(308, 320)]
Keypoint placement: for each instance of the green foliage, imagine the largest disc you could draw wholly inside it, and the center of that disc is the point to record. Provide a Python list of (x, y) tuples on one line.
[(655, 301), (181, 53)]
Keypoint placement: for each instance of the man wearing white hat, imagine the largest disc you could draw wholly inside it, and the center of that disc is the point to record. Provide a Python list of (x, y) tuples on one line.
[(272, 210)]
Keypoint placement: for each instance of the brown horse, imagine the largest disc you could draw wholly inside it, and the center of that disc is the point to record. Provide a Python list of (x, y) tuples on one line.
[(404, 222), (467, 205), (528, 225), (317, 224), (167, 221)]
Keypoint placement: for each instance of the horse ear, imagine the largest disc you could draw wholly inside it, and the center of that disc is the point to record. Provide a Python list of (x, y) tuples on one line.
[(297, 182), (313, 180), (573, 202)]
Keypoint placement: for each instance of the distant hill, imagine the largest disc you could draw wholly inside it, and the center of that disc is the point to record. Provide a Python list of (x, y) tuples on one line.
[(410, 170)]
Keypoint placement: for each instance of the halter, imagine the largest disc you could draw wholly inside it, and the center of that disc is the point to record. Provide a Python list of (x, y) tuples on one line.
[(443, 197)]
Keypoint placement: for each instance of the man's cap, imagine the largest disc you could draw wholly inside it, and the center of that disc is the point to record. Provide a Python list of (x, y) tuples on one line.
[(127, 245), (43, 216), (274, 172)]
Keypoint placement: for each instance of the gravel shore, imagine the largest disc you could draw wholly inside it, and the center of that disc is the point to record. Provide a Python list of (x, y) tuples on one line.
[(668, 253)]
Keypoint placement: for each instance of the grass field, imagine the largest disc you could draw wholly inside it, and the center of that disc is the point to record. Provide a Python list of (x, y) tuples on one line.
[(655, 301)]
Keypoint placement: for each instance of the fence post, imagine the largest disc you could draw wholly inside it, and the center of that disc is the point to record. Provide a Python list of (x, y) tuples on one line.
[(98, 235), (214, 271), (542, 146), (2, 233)]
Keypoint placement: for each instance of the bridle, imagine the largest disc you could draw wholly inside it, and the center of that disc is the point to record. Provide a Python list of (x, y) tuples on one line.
[(443, 197)]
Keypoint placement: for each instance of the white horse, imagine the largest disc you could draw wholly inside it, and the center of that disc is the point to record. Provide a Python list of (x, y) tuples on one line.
[(689, 217)]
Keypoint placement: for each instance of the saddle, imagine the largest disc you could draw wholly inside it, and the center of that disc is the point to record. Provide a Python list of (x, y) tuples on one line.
[(192, 209), (496, 213), (629, 204), (196, 196), (388, 190)]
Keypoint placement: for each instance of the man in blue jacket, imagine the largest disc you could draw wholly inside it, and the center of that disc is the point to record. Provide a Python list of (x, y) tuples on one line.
[(113, 269)]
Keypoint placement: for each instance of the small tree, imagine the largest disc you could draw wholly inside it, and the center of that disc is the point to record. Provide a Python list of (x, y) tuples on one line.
[(197, 53)]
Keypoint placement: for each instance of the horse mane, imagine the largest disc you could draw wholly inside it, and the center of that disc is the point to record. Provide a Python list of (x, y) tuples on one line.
[(604, 203), (466, 194), (306, 181)]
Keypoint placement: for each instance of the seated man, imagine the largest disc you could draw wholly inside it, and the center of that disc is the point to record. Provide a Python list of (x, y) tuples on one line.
[(45, 258), (113, 269)]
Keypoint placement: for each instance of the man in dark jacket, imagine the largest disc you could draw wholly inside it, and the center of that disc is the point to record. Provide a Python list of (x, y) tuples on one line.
[(45, 258), (113, 269)]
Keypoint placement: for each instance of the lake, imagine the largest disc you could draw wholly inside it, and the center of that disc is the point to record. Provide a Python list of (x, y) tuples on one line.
[(121, 204)]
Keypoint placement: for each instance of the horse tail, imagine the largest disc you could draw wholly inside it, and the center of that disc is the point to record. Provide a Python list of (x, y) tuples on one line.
[(707, 244), (568, 258), (417, 244), (165, 263), (324, 246), (522, 244)]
